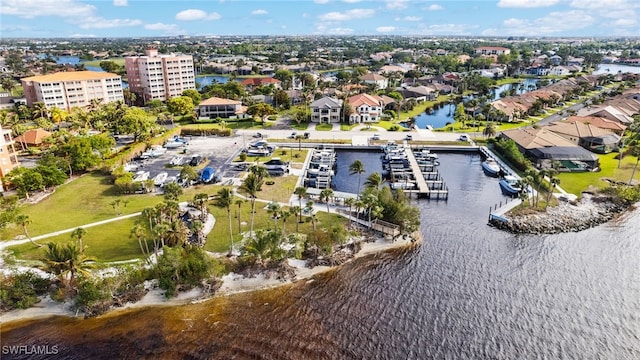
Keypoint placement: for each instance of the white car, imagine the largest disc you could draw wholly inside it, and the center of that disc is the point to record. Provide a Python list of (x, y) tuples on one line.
[(375, 137), (464, 137)]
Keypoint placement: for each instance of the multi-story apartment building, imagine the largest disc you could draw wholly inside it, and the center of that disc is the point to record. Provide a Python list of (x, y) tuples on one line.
[(8, 155), (157, 76), (66, 90)]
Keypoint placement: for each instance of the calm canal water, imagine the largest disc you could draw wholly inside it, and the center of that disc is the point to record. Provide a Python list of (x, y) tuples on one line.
[(467, 291)]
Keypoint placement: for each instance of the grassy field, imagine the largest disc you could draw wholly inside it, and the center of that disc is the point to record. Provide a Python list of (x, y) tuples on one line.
[(82, 201), (576, 183), (111, 242), (301, 126), (292, 155)]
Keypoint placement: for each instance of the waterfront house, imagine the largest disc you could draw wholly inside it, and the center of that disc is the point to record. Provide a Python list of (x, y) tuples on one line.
[(366, 108), (544, 148), (586, 135), (252, 83), (326, 110), (602, 123), (607, 112)]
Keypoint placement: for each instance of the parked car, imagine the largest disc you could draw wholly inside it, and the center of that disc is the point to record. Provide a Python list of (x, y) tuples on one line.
[(177, 160), (306, 135), (464, 137), (293, 135), (196, 160), (408, 137), (375, 137)]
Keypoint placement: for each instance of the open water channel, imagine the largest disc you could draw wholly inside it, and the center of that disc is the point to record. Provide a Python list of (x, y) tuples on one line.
[(468, 291)]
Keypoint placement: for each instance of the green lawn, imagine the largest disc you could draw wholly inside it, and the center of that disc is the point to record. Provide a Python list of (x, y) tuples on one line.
[(347, 127), (109, 242), (292, 155), (324, 127), (82, 201), (576, 183), (301, 126)]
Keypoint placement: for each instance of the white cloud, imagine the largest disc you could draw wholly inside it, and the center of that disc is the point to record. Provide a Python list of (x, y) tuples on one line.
[(352, 1), (14, 28), (408, 18), (347, 15), (320, 1), (526, 3), (259, 12), (82, 36), (196, 14), (625, 22), (553, 23), (434, 7), (340, 31), (120, 2), (166, 28), (609, 4), (102, 23), (35, 8), (397, 4), (385, 29)]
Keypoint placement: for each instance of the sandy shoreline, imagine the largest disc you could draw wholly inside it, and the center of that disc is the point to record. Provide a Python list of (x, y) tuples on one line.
[(232, 284)]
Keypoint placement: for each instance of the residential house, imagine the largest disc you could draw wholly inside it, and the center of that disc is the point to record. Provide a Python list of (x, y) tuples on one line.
[(366, 108), (607, 112), (575, 61), (545, 148), (379, 81), (67, 90), (586, 135), (555, 60), (33, 137), (326, 110), (215, 107), (420, 93), (252, 83), (8, 155), (602, 123)]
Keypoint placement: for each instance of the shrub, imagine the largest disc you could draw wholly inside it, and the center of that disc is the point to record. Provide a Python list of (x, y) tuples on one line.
[(394, 128), (21, 291), (243, 157), (183, 268)]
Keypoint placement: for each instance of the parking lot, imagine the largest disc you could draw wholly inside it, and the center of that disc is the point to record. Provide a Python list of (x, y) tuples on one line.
[(216, 152)]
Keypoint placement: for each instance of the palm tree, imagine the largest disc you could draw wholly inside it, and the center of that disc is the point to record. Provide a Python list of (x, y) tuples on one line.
[(284, 214), (138, 231), (224, 199), (68, 259), (239, 202), (374, 181), (200, 202), (259, 171), (39, 110), (176, 233), (295, 211), (252, 184), (160, 232), (350, 202), (301, 192), (78, 234), (23, 220), (326, 195), (357, 167)]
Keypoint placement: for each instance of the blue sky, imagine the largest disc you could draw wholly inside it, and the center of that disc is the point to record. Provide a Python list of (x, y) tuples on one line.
[(142, 18)]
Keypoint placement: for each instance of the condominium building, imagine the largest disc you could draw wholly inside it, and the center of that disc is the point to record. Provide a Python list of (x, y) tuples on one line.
[(8, 155), (157, 76), (66, 90)]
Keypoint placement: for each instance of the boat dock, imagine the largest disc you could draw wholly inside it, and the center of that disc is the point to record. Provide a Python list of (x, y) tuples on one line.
[(428, 181)]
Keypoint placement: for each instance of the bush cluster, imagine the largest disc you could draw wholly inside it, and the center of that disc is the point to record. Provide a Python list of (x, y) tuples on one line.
[(21, 291)]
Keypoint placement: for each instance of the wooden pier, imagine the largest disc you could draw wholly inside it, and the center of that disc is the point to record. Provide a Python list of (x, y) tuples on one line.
[(434, 188)]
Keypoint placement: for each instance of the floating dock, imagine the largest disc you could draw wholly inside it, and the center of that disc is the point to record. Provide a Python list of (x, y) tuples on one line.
[(428, 181)]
